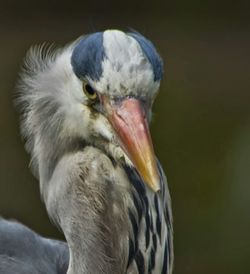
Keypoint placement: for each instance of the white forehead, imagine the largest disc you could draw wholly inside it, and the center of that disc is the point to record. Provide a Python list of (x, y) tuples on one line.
[(122, 49), (125, 68)]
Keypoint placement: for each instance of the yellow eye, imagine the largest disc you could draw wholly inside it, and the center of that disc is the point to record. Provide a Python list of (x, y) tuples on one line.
[(89, 91)]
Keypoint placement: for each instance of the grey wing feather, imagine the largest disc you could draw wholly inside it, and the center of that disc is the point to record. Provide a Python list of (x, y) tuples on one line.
[(22, 251)]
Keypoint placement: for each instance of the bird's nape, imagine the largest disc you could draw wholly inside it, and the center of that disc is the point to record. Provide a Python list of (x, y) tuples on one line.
[(85, 115)]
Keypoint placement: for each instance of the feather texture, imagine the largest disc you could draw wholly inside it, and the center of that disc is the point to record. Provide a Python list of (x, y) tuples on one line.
[(112, 221)]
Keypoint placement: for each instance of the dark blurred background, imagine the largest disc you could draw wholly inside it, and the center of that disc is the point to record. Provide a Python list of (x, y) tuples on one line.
[(201, 127)]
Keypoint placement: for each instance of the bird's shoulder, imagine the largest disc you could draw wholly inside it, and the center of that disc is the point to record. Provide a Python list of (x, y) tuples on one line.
[(24, 251)]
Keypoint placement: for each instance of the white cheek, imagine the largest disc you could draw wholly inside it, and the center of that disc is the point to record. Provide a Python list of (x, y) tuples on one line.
[(102, 127), (77, 121)]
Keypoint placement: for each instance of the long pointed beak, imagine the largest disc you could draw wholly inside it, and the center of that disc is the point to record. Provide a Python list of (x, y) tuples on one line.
[(129, 121)]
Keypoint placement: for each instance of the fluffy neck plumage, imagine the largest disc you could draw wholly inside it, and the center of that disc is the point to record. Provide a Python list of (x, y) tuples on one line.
[(87, 198)]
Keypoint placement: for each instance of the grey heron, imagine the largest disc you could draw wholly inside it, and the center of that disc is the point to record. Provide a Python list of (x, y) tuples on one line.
[(85, 112)]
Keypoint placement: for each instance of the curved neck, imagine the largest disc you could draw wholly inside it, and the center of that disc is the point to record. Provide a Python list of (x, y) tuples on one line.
[(89, 209)]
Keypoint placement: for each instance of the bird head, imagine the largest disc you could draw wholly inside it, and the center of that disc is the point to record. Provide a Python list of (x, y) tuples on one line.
[(100, 90)]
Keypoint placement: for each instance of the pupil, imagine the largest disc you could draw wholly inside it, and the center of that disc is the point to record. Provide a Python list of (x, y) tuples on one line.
[(89, 89)]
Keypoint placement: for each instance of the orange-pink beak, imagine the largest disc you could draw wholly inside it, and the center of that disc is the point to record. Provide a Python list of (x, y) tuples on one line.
[(129, 121)]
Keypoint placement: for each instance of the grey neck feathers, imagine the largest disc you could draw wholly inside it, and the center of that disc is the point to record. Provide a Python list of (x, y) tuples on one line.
[(87, 198)]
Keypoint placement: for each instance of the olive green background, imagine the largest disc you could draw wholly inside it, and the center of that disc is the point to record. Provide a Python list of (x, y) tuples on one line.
[(201, 126)]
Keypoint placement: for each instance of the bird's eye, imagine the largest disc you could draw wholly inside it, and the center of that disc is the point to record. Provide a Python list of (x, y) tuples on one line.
[(89, 91)]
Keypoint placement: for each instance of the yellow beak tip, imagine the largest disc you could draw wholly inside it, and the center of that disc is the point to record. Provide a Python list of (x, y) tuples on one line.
[(155, 185)]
